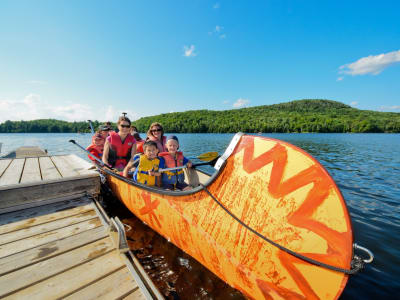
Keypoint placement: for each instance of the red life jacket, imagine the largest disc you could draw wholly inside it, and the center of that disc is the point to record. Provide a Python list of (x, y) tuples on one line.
[(120, 152), (139, 146), (93, 149)]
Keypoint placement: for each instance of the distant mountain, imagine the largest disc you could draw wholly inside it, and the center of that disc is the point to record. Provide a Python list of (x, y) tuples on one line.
[(308, 115)]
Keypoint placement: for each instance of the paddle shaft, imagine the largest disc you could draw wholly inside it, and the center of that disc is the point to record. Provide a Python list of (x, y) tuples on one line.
[(184, 166), (91, 126), (91, 155)]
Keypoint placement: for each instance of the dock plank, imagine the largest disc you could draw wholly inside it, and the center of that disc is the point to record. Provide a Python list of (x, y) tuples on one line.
[(72, 280), (31, 172), (38, 272), (113, 286), (26, 258), (13, 173), (29, 151), (20, 216), (3, 165), (46, 227), (136, 295), (48, 169), (79, 165), (31, 193), (63, 166), (44, 238)]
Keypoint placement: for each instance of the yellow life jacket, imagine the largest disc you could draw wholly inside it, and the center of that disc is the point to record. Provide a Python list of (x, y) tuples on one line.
[(142, 171)]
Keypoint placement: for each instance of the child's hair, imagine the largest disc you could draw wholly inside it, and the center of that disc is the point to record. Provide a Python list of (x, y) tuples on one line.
[(148, 144), (137, 137), (123, 118)]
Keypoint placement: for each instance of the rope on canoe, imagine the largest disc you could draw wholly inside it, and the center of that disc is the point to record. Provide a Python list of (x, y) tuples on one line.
[(357, 262)]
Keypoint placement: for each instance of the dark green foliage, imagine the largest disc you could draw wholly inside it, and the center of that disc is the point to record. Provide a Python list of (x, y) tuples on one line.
[(295, 116), (46, 125)]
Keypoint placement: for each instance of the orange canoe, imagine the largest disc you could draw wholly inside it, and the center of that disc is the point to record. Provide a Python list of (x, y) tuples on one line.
[(262, 222)]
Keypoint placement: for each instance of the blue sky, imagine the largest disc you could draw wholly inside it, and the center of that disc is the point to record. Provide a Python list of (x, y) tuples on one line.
[(78, 60)]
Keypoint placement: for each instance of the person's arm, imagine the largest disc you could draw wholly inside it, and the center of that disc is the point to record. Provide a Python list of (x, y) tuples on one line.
[(133, 162), (133, 150), (106, 151), (127, 168)]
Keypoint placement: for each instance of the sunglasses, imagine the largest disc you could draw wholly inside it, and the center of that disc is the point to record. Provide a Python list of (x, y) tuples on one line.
[(125, 126), (156, 130)]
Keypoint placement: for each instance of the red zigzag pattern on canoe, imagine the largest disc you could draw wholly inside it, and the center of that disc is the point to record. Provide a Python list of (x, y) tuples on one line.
[(302, 217)]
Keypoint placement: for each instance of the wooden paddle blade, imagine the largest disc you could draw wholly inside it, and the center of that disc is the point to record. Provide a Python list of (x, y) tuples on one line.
[(208, 156)]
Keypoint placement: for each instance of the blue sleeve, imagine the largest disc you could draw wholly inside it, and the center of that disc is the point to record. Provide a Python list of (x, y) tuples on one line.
[(136, 160), (162, 163), (185, 160)]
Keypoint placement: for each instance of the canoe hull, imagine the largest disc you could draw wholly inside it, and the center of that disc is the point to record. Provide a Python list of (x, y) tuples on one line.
[(277, 190)]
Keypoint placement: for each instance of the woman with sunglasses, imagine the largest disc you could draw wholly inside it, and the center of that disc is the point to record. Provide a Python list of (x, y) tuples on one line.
[(121, 146), (156, 134)]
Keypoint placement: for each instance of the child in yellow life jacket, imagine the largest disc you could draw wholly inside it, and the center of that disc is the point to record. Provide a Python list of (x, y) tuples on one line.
[(174, 179), (147, 165)]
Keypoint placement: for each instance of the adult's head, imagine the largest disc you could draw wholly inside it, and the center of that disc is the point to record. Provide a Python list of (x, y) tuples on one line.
[(156, 130), (124, 125), (104, 130)]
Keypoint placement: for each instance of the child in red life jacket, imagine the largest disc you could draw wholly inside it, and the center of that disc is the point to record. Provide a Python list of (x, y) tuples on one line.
[(97, 146), (175, 179), (147, 165), (98, 140)]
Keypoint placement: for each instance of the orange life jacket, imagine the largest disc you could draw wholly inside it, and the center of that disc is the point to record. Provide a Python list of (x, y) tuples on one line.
[(175, 176), (120, 152), (139, 146)]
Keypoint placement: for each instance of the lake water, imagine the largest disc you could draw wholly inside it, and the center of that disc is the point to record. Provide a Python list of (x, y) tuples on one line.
[(366, 168)]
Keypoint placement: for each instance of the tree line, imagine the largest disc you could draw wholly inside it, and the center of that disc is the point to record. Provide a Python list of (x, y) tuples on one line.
[(314, 115)]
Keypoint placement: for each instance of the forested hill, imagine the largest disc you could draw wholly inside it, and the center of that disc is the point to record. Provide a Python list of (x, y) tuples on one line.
[(294, 116)]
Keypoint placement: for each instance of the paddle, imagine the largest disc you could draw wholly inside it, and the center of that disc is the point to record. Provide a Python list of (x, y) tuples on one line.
[(208, 156), (193, 165), (96, 158), (91, 126)]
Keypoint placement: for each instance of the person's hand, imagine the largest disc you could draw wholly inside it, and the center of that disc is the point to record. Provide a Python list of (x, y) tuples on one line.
[(189, 164), (154, 173)]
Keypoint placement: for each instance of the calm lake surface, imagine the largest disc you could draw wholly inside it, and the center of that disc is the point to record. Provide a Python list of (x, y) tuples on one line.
[(366, 168)]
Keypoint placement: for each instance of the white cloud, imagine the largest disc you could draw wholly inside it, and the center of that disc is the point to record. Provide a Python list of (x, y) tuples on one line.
[(225, 102), (390, 108), (189, 51), (340, 78), (373, 64), (241, 102), (216, 5), (354, 103), (33, 107), (218, 31)]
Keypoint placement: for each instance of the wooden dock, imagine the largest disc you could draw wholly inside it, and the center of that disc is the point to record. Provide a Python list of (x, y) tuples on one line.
[(55, 239)]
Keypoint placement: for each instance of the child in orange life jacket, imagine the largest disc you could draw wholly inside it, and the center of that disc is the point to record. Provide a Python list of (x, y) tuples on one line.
[(173, 158), (147, 165)]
